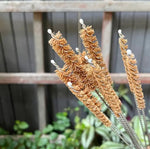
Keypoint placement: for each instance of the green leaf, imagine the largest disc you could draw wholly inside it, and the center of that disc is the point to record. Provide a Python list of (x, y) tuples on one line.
[(68, 132), (76, 109), (28, 143), (42, 142), (3, 131), (125, 110), (48, 129), (61, 125), (77, 119), (51, 146), (28, 134), (85, 122), (15, 127), (87, 137), (102, 131), (127, 99), (38, 134), (53, 136), (98, 123), (22, 147), (2, 142), (122, 90), (17, 122), (137, 127), (23, 125), (90, 119), (61, 115), (112, 145), (104, 107)]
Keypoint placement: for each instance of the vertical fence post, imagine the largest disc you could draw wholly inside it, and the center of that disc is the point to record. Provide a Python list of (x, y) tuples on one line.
[(39, 59), (106, 35)]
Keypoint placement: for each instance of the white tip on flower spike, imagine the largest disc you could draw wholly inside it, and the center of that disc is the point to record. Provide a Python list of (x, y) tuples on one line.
[(129, 52), (49, 31), (119, 31), (86, 57), (90, 60), (69, 84), (77, 50), (81, 21), (53, 62)]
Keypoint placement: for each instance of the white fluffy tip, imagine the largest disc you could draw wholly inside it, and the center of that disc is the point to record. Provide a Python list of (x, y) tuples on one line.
[(49, 31), (69, 84), (120, 31), (129, 52), (90, 60), (86, 57), (77, 49), (81, 21), (52, 61)]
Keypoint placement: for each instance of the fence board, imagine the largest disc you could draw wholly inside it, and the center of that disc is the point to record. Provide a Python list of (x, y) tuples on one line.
[(11, 65), (114, 47), (66, 6), (7, 116), (23, 54), (39, 58), (106, 36)]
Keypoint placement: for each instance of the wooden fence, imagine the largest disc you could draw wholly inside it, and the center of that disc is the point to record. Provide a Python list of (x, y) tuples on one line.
[(38, 7)]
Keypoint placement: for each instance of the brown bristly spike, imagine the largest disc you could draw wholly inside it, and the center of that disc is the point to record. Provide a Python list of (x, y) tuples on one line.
[(132, 71), (86, 72), (123, 48), (83, 94), (91, 45), (66, 53), (133, 78), (82, 58), (134, 74), (106, 90)]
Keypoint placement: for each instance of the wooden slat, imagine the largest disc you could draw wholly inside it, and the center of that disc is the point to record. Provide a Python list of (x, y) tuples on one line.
[(51, 78), (106, 35), (39, 60), (82, 6)]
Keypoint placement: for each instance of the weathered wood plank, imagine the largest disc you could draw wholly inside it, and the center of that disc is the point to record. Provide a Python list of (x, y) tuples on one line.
[(106, 36), (51, 94), (11, 95), (51, 78), (7, 116), (114, 43), (39, 60), (28, 20), (82, 6), (138, 36), (26, 103)]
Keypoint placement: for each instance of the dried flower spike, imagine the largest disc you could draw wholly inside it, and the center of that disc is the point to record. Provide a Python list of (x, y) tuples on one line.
[(84, 95), (134, 74), (132, 71), (91, 45)]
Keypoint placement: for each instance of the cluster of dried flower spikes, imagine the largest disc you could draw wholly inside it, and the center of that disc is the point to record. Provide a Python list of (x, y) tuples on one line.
[(86, 72)]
